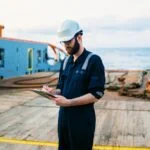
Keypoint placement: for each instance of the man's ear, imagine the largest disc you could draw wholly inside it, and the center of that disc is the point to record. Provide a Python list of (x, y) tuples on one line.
[(79, 38)]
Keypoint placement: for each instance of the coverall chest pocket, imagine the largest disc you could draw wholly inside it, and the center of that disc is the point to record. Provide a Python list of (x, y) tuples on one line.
[(79, 76)]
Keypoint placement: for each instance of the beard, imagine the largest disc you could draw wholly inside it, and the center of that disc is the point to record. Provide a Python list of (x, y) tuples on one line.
[(73, 50)]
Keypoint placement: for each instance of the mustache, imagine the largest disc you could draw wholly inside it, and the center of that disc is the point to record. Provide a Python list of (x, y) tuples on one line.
[(68, 47)]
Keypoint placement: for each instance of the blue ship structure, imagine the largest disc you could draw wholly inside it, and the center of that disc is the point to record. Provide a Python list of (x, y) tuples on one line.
[(20, 57)]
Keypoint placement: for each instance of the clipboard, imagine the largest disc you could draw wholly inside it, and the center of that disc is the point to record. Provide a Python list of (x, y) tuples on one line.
[(44, 94)]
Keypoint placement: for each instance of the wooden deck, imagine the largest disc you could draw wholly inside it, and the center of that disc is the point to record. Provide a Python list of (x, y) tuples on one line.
[(24, 115)]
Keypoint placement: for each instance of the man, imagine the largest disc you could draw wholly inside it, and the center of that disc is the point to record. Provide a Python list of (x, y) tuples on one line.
[(81, 84)]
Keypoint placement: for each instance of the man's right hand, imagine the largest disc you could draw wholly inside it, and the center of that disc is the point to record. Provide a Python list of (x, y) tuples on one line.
[(48, 89)]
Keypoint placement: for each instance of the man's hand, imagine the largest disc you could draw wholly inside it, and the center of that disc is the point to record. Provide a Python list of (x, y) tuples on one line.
[(45, 88), (62, 101), (48, 89)]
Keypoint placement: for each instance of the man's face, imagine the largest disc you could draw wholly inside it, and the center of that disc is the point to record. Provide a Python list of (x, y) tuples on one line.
[(72, 46), (69, 45)]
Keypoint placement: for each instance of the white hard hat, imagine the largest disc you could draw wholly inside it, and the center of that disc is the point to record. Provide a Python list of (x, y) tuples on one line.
[(67, 30)]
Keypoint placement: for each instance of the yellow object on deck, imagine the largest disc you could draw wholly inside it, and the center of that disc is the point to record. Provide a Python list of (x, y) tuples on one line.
[(55, 144)]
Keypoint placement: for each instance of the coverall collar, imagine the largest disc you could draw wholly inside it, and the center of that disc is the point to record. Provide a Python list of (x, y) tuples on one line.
[(80, 59)]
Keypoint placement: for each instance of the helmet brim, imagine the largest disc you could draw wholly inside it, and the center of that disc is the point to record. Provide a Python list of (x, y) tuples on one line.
[(65, 38)]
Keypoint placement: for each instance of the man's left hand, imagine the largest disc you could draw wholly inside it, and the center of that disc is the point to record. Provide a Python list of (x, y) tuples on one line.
[(62, 101)]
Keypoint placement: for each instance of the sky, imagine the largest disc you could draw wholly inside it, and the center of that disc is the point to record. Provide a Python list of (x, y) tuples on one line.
[(106, 23)]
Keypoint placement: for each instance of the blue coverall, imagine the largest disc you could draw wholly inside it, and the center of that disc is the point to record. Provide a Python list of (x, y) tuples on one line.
[(76, 125)]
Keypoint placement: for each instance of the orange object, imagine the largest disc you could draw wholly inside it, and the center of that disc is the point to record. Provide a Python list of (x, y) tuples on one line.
[(1, 29), (148, 86)]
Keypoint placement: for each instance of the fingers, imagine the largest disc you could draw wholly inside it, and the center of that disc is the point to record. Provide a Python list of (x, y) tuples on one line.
[(44, 90), (48, 89), (58, 96), (45, 86)]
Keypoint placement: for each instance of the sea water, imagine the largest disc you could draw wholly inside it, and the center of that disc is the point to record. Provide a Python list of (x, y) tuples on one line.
[(124, 58)]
